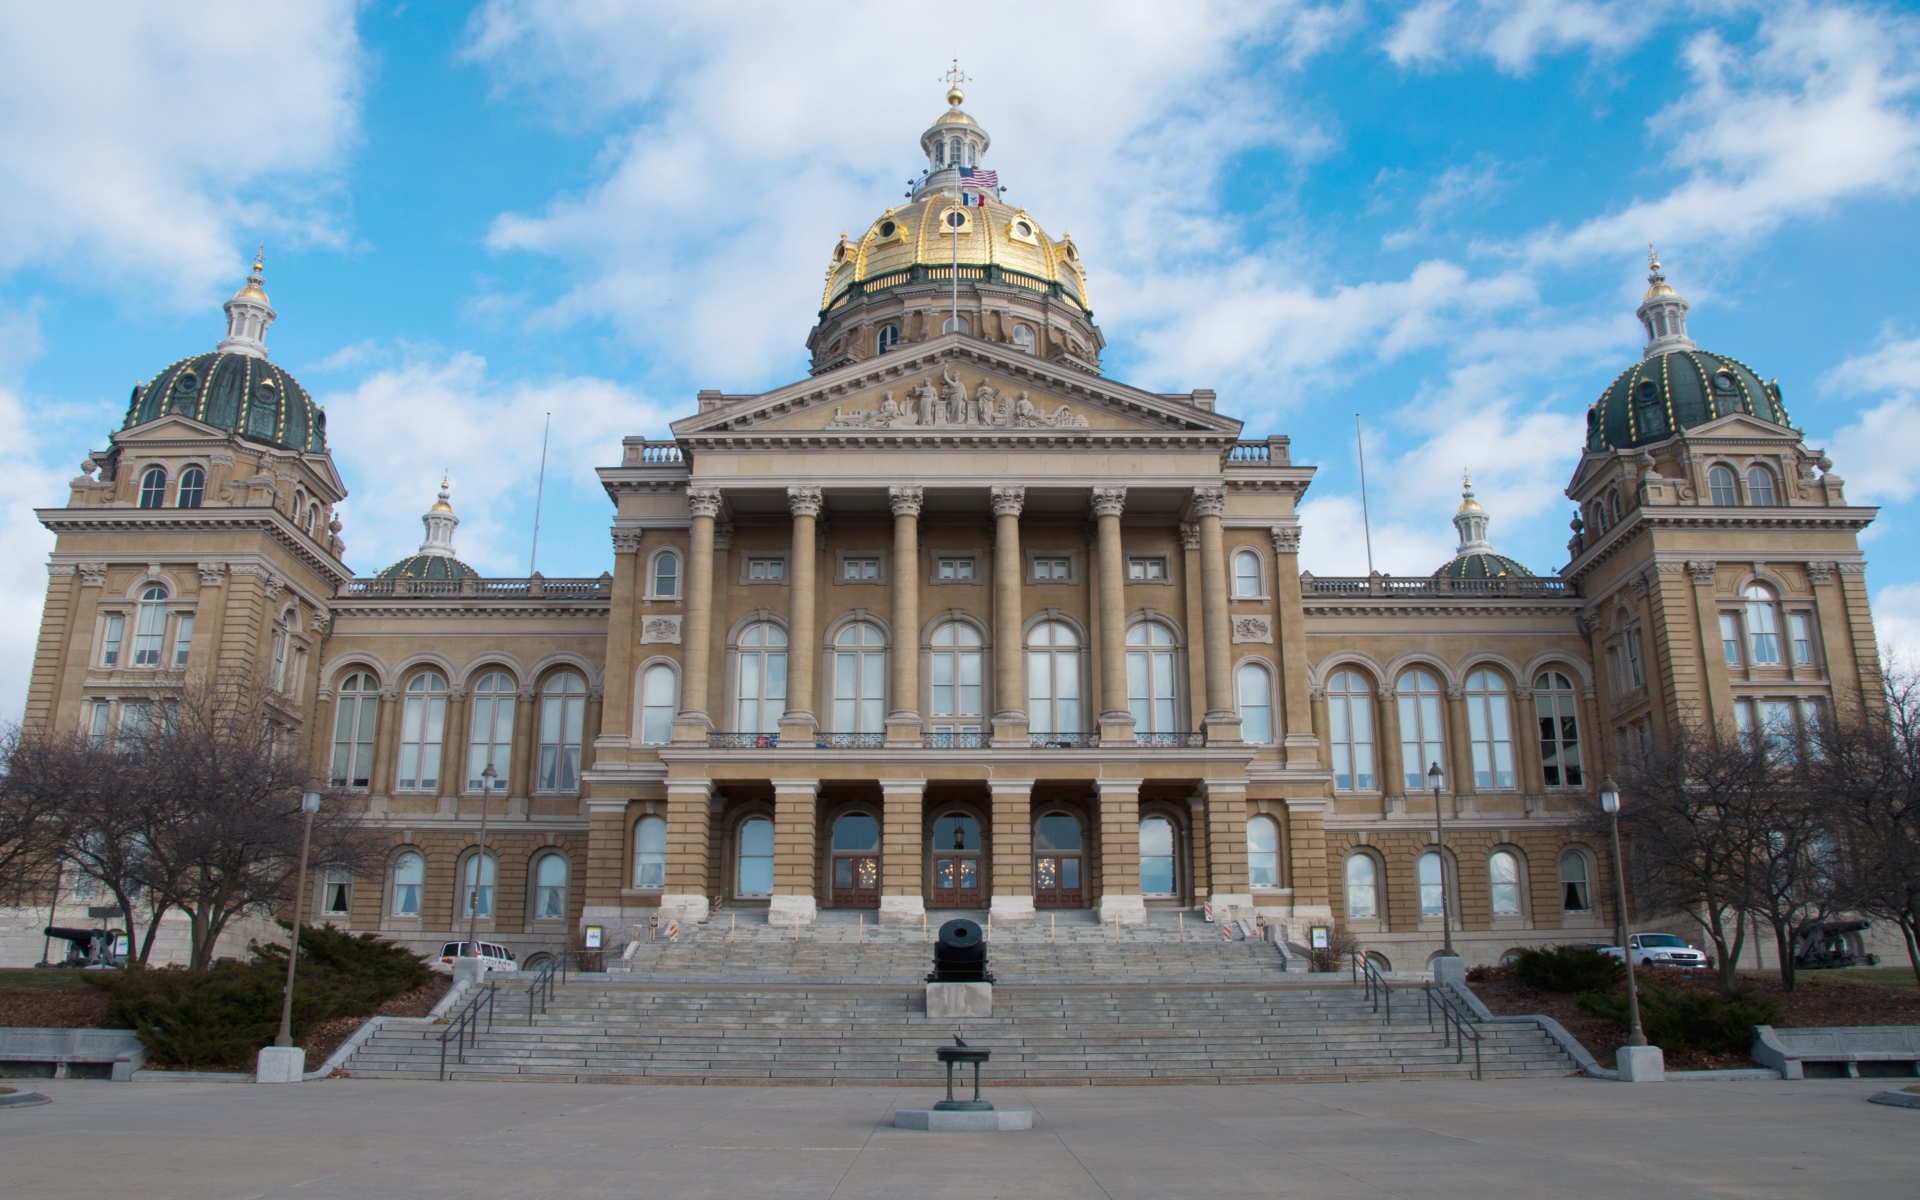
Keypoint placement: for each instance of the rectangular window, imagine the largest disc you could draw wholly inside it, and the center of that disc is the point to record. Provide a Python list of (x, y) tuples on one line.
[(1782, 736), (860, 570), (1730, 638), (766, 570), (953, 570), (1052, 570), (1350, 719), (135, 718), (110, 635), (336, 898), (1636, 670), (182, 640), (422, 725), (97, 720), (1802, 627), (149, 631), (1813, 726), (1146, 568), (1614, 675), (1743, 717)]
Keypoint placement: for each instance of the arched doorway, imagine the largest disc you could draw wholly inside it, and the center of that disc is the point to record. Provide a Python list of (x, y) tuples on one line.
[(1056, 862), (856, 861), (956, 862)]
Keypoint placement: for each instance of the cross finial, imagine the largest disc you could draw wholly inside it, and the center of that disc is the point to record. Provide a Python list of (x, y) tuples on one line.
[(953, 79)]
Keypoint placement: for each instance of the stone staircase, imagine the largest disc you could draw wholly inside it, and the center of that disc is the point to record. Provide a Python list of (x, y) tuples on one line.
[(739, 1002)]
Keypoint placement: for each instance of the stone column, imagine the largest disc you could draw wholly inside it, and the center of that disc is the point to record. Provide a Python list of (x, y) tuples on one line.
[(1012, 849), (591, 725), (903, 722), (621, 614), (692, 723), (1010, 715), (1530, 774), (1718, 692), (796, 859), (453, 752), (1393, 772), (1190, 611), (1459, 773), (1227, 841), (1116, 720), (601, 875), (1302, 745), (1222, 719), (386, 735), (798, 724), (526, 743), (320, 736), (82, 651), (689, 834), (1829, 616), (209, 615), (1202, 854), (1120, 852), (902, 857), (1308, 869)]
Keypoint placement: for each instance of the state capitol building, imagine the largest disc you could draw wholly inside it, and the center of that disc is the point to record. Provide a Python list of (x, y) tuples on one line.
[(958, 622)]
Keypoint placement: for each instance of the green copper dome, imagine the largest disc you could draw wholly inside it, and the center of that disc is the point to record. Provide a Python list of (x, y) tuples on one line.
[(429, 566), (240, 392), (1482, 566), (1666, 393)]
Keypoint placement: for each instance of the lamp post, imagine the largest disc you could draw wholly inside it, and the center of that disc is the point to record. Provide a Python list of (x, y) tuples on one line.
[(480, 859), (1610, 804), (1440, 855), (309, 805)]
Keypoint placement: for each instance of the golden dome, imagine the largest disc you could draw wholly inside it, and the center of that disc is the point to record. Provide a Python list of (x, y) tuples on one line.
[(917, 235), (1467, 502), (441, 505)]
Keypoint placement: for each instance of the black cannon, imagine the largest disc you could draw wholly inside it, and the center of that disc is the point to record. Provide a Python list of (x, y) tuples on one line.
[(960, 956), (87, 947), (1827, 945)]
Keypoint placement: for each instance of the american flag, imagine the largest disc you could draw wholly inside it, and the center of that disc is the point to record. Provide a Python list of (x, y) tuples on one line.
[(979, 177)]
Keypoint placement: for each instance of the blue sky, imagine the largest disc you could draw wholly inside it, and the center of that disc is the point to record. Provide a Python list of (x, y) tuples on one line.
[(1433, 215)]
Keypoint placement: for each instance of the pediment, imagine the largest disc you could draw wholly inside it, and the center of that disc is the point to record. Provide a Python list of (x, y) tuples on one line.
[(168, 427), (1741, 425)]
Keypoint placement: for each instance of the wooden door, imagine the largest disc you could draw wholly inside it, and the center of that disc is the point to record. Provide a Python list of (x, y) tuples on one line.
[(856, 881), (1056, 881), (956, 880)]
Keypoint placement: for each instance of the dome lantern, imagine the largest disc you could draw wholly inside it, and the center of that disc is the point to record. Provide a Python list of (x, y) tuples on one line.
[(1662, 312), (1475, 558), (435, 559), (249, 313)]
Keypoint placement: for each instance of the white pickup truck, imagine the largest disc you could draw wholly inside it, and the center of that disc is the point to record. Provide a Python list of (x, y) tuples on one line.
[(1660, 950)]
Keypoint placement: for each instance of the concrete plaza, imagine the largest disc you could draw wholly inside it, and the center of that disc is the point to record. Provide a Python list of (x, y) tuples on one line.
[(1520, 1138)]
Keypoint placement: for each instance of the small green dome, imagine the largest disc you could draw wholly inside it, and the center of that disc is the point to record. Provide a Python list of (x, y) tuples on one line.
[(240, 392), (429, 566), (1666, 393), (1482, 565)]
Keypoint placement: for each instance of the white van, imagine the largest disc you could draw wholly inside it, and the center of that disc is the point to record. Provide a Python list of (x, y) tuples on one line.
[(496, 958)]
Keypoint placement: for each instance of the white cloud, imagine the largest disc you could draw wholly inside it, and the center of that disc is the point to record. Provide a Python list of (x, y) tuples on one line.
[(1896, 623), (1875, 453), (142, 142), (1333, 540), (1514, 33)]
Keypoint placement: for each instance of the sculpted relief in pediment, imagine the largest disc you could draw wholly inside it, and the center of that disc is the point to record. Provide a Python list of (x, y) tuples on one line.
[(949, 405)]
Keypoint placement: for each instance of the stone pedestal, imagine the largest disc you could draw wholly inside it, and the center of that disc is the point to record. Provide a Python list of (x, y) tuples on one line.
[(959, 1001), (1013, 910), (792, 910), (1641, 1064), (932, 1120), (280, 1064), (902, 910), (1130, 910), (470, 971), (1450, 969), (689, 908)]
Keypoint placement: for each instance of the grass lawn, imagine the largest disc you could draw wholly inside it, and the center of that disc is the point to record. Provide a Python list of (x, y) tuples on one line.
[(40, 980), (1894, 977)]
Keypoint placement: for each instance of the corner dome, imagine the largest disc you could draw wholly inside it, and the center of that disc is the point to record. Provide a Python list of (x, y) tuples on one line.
[(429, 566), (235, 391), (1667, 393)]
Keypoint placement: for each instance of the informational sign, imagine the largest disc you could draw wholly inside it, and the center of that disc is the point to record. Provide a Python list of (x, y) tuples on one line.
[(122, 945), (1320, 937), (595, 934)]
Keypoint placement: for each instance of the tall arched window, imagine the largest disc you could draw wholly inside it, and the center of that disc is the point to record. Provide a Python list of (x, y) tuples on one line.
[(423, 719), (658, 702), (859, 679), (150, 627), (1490, 728), (409, 878), (1156, 857), (1263, 853), (1420, 735), (889, 337), (354, 708), (1023, 338), (1053, 678), (153, 487), (1433, 894), (1363, 887), (1763, 624), (755, 877), (1350, 725), (1555, 708), (282, 635), (1614, 512), (563, 707), (494, 697), (1760, 489), (313, 525), (1574, 893), (762, 694), (1150, 676), (1255, 688), (476, 885), (956, 683), (193, 488), (1246, 574), (666, 575), (1503, 883), (650, 853), (1721, 488), (550, 888)]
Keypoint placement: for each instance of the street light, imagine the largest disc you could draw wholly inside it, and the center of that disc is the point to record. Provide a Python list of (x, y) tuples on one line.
[(1610, 804), (1440, 856), (309, 805), (480, 859)]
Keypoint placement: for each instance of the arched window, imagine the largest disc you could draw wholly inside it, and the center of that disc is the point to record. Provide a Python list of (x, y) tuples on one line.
[(1433, 892), (1246, 574), (859, 679), (1555, 708), (956, 324), (939, 155), (1490, 728), (1503, 883), (491, 741), (282, 634), (1350, 725), (1053, 678), (1255, 687), (476, 885), (193, 488), (153, 487), (956, 686), (1721, 488), (1613, 508), (650, 853), (755, 877), (1150, 676), (1420, 735), (313, 519), (354, 709), (658, 703), (889, 337), (1760, 489), (550, 888), (762, 695), (1763, 624), (953, 151), (409, 878), (150, 627), (1263, 853), (1574, 894), (423, 719), (1023, 338), (1363, 887), (1156, 857), (666, 575), (563, 707)]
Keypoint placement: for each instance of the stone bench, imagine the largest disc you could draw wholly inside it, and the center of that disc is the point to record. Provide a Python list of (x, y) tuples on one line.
[(71, 1053), (1891, 1051)]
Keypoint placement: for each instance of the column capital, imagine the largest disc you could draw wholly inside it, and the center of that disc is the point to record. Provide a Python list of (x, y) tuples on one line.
[(1701, 570), (916, 786), (1821, 572), (810, 786), (1009, 785), (703, 500), (804, 501), (626, 541), (1286, 538), (906, 501), (1108, 501), (1009, 501), (1189, 535), (93, 574), (1209, 501)]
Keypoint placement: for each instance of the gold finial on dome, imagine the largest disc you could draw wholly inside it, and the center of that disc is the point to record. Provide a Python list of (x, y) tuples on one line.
[(441, 504), (1467, 502), (1656, 278), (953, 79)]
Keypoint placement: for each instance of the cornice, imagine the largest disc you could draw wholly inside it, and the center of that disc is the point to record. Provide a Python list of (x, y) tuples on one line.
[(1795, 517), (252, 519)]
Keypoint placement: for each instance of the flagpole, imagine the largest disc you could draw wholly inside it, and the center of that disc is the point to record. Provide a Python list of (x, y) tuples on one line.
[(961, 198), (1366, 519)]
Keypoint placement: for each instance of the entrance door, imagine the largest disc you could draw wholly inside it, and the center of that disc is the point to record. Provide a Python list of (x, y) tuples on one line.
[(956, 862), (856, 862), (1056, 862)]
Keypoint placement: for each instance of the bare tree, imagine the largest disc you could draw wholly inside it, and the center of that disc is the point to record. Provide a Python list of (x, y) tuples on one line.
[(1868, 769), (31, 799)]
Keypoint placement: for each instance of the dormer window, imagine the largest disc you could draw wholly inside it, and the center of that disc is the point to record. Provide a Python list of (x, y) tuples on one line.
[(1760, 489), (193, 486), (889, 337), (1023, 338), (153, 487), (1721, 488)]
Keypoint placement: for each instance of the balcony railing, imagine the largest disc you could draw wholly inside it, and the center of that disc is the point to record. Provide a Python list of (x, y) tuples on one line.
[(1064, 741), (1174, 741), (743, 741), (1506, 586), (850, 741), (536, 588), (970, 739)]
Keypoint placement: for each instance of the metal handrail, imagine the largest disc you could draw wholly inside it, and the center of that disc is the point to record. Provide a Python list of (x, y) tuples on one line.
[(1364, 972), (1064, 741), (465, 1027), (1456, 1024), (542, 985)]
